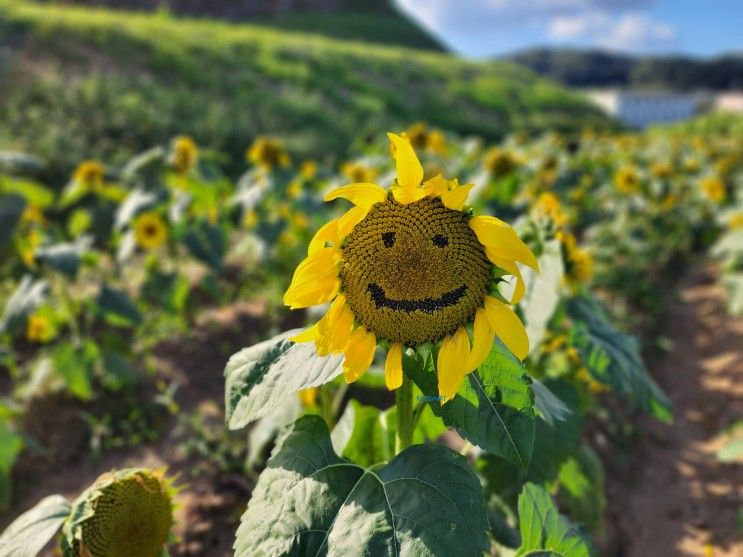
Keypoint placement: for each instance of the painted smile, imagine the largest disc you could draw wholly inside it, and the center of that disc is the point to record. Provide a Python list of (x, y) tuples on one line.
[(426, 305)]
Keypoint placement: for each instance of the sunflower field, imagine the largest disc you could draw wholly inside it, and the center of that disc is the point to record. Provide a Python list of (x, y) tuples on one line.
[(422, 346)]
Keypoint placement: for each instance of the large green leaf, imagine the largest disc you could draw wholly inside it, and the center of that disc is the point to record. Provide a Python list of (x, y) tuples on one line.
[(259, 378), (31, 531), (582, 488), (494, 408), (544, 532), (11, 209), (117, 306), (613, 358), (206, 243), (309, 501), (25, 299), (65, 256)]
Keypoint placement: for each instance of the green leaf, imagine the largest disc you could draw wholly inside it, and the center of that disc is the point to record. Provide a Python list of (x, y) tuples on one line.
[(30, 532), (206, 243), (11, 209), (550, 408), (64, 257), (544, 532), (117, 306), (372, 437), (582, 488), (74, 364), (494, 409), (28, 296), (613, 358), (309, 501), (136, 202), (259, 378), (11, 445)]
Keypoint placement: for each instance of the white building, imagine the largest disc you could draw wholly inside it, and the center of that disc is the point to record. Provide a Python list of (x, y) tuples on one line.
[(641, 109)]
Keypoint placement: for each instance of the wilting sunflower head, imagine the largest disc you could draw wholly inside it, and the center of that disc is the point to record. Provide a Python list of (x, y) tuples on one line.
[(89, 174), (408, 266), (150, 231), (185, 153), (123, 514)]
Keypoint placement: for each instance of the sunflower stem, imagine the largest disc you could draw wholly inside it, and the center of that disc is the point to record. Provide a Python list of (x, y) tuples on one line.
[(404, 413)]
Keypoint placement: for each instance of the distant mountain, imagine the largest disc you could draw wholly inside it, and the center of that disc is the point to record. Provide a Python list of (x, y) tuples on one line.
[(595, 68), (375, 21)]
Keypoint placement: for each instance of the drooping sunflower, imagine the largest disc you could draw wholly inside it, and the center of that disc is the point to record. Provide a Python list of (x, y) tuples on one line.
[(408, 266)]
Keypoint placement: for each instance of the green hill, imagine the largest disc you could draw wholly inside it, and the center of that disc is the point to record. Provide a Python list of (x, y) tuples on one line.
[(82, 82), (596, 68)]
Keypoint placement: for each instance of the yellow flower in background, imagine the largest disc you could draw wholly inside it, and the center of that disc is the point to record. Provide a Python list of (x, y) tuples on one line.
[(250, 219), (268, 153), (691, 164), (578, 261), (150, 231), (422, 138), (661, 170), (408, 266), (714, 188), (89, 174), (668, 202), (308, 169), (294, 189), (548, 206), (736, 221), (286, 238), (308, 397), (39, 328), (185, 154), (33, 214), (300, 221), (584, 376), (627, 180), (358, 172), (499, 162)]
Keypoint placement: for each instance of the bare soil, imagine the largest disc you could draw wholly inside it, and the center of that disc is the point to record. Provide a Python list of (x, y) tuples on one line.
[(673, 497)]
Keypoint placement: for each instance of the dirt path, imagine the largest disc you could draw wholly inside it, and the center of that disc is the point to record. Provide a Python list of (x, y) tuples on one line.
[(676, 499)]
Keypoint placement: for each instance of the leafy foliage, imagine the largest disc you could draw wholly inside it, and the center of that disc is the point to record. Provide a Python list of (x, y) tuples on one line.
[(426, 500)]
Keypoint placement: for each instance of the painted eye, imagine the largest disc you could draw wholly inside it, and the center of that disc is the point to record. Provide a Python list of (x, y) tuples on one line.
[(389, 239), (440, 241)]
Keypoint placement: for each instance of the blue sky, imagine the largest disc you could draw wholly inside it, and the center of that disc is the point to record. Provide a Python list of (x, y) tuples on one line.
[(480, 28)]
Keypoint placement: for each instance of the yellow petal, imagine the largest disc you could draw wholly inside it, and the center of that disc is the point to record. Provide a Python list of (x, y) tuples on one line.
[(482, 341), (407, 195), (393, 367), (349, 220), (334, 329), (359, 354), (502, 240), (456, 198), (308, 335), (436, 185), (450, 366), (409, 169), (507, 326), (327, 233), (513, 268), (315, 280), (361, 194)]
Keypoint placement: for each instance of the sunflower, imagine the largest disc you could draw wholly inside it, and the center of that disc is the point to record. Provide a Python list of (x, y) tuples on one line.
[(268, 153), (714, 188), (499, 162), (185, 154), (578, 261), (89, 174), (547, 206), (39, 328), (358, 172), (736, 221), (409, 266), (627, 179), (150, 231)]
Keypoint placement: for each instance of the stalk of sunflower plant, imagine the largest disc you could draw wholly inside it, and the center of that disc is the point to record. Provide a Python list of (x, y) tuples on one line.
[(406, 266)]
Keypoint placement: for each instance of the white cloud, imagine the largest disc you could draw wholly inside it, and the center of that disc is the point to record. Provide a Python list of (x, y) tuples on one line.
[(632, 31)]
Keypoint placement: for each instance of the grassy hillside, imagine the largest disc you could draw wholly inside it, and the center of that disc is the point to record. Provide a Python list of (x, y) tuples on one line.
[(103, 83)]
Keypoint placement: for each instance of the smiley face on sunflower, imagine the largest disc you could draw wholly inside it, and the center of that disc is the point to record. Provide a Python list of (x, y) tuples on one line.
[(408, 266)]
